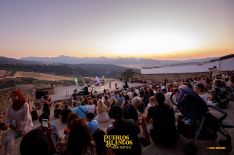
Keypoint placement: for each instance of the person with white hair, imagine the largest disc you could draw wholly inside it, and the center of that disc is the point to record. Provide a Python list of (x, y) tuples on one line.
[(131, 111), (101, 110)]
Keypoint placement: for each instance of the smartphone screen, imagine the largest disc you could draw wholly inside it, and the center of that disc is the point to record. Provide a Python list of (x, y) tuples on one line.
[(44, 123)]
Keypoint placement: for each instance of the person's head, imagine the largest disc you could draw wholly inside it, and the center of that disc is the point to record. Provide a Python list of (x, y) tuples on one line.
[(218, 76), (160, 98), (95, 101), (126, 97), (90, 116), (56, 106), (98, 137), (231, 78), (116, 112), (17, 98), (158, 89), (46, 97), (113, 101), (207, 80), (66, 106), (44, 116), (99, 103), (217, 83), (164, 89), (79, 138), (16, 95), (85, 101), (136, 102), (199, 88), (134, 94), (34, 143), (152, 99), (101, 107), (106, 97), (70, 118)]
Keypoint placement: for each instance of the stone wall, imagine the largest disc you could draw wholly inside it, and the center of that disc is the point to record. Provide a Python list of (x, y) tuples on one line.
[(170, 77)]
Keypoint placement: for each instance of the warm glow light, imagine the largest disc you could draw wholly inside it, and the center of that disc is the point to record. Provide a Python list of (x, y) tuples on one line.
[(143, 43)]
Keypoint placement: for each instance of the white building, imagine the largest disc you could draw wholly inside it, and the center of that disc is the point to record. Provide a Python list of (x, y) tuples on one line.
[(225, 63)]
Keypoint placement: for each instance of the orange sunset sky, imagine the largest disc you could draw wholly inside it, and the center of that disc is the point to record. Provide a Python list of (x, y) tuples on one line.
[(160, 29)]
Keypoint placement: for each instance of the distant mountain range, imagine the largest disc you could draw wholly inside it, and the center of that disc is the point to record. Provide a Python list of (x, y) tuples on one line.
[(74, 70), (124, 62), (73, 66)]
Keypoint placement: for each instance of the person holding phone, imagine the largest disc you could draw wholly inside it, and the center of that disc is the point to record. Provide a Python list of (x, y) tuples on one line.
[(41, 140), (18, 121), (46, 126)]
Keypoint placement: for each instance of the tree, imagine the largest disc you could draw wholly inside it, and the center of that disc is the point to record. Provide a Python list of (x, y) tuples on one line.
[(128, 73)]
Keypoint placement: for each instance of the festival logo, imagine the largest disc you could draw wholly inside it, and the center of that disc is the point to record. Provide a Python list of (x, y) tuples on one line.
[(118, 141)]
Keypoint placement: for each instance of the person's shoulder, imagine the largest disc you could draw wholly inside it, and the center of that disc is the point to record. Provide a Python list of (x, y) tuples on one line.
[(91, 150), (26, 105), (152, 108), (95, 121), (129, 121), (38, 131), (110, 129)]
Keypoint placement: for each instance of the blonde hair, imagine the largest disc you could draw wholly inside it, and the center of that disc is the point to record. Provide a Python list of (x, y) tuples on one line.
[(101, 107), (152, 99)]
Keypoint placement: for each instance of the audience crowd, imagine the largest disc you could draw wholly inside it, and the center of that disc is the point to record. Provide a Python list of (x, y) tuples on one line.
[(146, 114)]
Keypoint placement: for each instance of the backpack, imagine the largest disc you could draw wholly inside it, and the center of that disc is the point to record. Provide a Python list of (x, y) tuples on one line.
[(190, 104)]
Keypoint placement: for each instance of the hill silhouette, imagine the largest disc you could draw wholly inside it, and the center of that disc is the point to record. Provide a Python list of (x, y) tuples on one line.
[(107, 70)]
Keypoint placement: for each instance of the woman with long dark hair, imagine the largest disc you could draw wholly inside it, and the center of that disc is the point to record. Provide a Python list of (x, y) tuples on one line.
[(79, 140)]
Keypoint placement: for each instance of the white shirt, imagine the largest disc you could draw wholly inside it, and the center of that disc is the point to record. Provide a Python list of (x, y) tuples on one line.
[(90, 108)]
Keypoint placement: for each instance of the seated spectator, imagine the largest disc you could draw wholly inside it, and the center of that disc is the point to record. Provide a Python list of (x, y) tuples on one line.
[(199, 89), (124, 127), (92, 123), (34, 114), (57, 111), (38, 141), (79, 140), (107, 102), (131, 110), (152, 102), (81, 111), (231, 86), (64, 114), (164, 130), (220, 94), (170, 98), (98, 137), (54, 128), (90, 107), (46, 109), (127, 101), (113, 101), (120, 100), (17, 121), (72, 116), (47, 100), (101, 110)]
